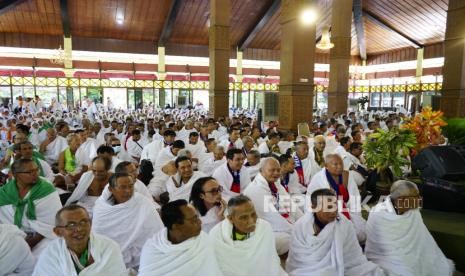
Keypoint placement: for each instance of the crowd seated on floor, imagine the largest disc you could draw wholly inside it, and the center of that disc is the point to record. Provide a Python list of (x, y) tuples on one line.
[(100, 191)]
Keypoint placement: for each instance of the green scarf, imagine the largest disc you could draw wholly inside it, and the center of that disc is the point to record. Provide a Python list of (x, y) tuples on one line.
[(9, 195), (41, 170), (45, 126), (37, 154)]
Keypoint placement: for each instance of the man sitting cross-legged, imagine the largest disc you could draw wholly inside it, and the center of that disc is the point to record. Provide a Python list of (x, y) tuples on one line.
[(180, 248), (324, 242), (77, 251)]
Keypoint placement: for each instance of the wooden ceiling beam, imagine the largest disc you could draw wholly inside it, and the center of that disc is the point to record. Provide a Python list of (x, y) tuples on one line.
[(65, 18), (380, 22), (258, 26), (6, 5), (359, 30), (169, 23)]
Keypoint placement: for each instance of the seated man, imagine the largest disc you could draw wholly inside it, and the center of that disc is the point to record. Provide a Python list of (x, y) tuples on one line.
[(180, 185), (88, 148), (91, 184), (273, 203), (305, 167), (289, 178), (132, 170), (233, 176), (270, 146), (167, 154), (244, 244), (153, 149), (15, 254), (324, 243), (68, 165), (109, 153), (78, 251), (29, 202), (135, 144), (128, 218), (212, 159), (181, 248), (317, 153), (53, 146), (342, 183), (397, 238), (195, 146), (234, 141), (24, 150), (253, 163), (354, 163)]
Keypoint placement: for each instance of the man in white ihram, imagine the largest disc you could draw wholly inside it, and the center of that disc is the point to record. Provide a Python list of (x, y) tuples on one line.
[(324, 243), (181, 248), (125, 216), (244, 244), (398, 240), (78, 251)]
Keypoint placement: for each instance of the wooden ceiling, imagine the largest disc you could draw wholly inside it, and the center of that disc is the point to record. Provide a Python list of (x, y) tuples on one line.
[(388, 24)]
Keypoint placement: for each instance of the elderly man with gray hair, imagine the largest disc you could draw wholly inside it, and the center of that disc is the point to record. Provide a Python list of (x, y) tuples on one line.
[(273, 203), (398, 240), (243, 243)]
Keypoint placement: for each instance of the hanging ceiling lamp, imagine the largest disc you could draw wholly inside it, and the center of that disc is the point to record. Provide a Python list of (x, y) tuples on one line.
[(325, 42)]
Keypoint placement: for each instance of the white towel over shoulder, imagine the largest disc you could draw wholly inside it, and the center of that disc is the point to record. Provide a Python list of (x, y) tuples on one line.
[(193, 257)]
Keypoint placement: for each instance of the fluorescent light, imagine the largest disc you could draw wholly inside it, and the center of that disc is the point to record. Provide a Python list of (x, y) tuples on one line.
[(119, 21)]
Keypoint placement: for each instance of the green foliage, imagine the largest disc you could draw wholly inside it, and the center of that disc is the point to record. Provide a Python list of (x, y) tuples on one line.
[(384, 149), (362, 101), (455, 131)]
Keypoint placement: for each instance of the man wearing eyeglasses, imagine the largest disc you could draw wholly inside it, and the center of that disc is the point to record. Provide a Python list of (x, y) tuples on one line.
[(30, 202), (243, 243), (181, 248), (126, 216), (78, 251)]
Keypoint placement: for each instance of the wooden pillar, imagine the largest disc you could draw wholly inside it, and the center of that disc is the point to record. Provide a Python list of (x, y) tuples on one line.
[(339, 58), (68, 62), (418, 74), (453, 89), (219, 52), (161, 63), (239, 75), (297, 66), (161, 76)]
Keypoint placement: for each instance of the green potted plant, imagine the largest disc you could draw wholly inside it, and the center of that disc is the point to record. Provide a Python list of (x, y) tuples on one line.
[(387, 152), (362, 101)]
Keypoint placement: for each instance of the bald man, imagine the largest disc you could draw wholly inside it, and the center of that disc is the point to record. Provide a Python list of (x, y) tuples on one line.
[(333, 177), (272, 203)]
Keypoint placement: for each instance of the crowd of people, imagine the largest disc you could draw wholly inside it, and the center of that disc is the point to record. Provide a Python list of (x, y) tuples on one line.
[(176, 192)]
